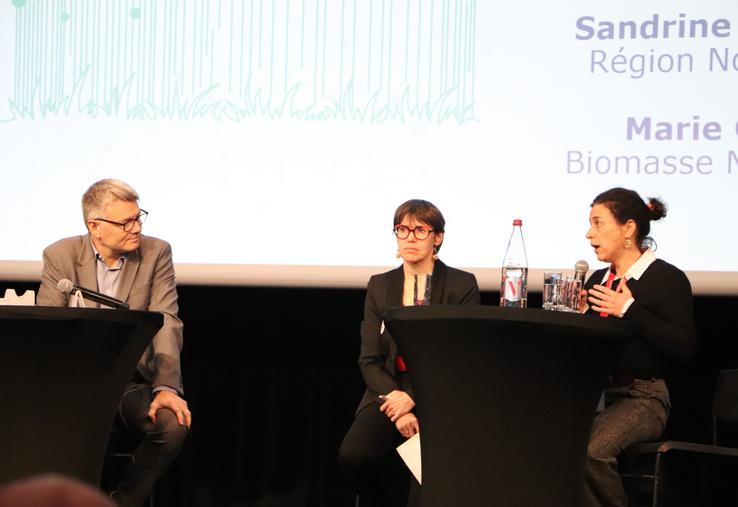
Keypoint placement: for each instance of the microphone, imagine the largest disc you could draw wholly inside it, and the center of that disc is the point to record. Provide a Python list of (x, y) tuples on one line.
[(67, 287), (580, 270)]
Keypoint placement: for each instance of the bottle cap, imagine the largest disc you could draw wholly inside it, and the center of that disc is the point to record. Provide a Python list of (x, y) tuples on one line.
[(517, 221)]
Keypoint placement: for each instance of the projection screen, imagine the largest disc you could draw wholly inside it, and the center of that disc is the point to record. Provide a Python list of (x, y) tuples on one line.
[(271, 140)]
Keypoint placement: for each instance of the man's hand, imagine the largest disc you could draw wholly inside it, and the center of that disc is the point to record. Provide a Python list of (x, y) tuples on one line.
[(167, 399)]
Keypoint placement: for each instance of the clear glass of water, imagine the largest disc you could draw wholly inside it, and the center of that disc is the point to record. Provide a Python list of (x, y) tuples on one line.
[(422, 290), (569, 294)]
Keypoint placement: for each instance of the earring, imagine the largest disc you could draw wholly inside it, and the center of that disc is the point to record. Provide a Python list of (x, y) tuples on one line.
[(435, 253), (627, 243), (397, 254)]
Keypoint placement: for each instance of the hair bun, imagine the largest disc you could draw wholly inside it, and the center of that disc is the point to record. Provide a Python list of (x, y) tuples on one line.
[(656, 208)]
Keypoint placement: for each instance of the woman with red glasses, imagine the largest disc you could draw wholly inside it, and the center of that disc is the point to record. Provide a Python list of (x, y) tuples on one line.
[(656, 298), (385, 418)]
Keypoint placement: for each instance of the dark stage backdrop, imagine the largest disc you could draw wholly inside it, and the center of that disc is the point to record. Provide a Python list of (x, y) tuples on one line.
[(272, 381)]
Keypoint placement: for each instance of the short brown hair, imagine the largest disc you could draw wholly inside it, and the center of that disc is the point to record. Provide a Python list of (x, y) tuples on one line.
[(422, 211)]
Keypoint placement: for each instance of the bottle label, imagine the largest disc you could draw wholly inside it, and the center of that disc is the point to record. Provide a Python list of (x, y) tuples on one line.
[(512, 287)]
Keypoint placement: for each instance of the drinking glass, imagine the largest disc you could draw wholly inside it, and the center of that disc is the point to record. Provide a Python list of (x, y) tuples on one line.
[(422, 290), (551, 289), (569, 294)]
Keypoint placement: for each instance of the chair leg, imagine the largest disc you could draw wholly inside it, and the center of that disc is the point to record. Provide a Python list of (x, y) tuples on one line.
[(657, 481)]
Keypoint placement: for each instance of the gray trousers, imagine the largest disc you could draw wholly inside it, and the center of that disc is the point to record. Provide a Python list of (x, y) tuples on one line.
[(160, 444), (632, 414)]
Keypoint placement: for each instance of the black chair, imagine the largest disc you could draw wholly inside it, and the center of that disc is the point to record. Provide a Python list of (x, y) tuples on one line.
[(675, 473)]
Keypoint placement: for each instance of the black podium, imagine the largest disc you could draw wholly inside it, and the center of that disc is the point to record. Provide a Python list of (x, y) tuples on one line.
[(505, 399), (62, 374)]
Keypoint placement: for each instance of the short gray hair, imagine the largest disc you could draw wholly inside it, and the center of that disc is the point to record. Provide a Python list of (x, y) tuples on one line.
[(96, 199)]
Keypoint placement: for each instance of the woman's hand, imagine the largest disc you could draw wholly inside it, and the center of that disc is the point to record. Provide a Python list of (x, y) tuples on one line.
[(407, 425), (608, 301), (397, 404)]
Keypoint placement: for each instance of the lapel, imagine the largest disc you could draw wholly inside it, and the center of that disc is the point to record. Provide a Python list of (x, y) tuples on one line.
[(87, 266), (438, 283), (395, 286), (130, 269)]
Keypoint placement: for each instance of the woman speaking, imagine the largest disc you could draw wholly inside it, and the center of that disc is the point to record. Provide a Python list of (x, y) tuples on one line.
[(656, 298)]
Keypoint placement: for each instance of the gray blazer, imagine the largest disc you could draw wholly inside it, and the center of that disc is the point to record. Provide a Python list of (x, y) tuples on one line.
[(147, 283)]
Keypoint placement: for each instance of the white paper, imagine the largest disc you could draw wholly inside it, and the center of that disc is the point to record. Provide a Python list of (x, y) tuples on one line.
[(410, 453)]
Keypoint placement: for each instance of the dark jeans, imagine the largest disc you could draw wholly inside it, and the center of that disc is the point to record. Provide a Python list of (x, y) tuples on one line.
[(369, 458), (160, 444), (632, 414)]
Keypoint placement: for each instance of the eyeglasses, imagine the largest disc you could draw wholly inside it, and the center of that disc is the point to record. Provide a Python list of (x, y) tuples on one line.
[(420, 232), (128, 224)]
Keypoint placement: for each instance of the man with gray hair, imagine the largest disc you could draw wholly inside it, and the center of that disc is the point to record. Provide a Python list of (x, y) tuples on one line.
[(117, 260)]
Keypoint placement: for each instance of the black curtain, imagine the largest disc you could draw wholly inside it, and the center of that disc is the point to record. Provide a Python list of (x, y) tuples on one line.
[(272, 381)]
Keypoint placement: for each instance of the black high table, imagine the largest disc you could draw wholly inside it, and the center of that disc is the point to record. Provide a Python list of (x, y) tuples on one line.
[(62, 374), (505, 399)]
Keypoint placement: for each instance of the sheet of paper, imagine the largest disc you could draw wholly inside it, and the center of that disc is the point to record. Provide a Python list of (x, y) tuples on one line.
[(410, 453)]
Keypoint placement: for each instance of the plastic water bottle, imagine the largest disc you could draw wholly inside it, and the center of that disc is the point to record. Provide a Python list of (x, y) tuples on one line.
[(514, 286)]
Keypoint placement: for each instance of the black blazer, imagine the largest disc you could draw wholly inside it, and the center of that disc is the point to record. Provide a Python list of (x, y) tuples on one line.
[(449, 286)]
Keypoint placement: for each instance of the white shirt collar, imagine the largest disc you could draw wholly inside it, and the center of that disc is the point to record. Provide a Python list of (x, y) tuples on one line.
[(638, 268)]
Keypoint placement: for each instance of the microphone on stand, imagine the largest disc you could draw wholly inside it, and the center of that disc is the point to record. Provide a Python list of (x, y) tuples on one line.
[(580, 270), (67, 287)]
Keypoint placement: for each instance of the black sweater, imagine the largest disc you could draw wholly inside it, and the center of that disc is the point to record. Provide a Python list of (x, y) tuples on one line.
[(662, 319)]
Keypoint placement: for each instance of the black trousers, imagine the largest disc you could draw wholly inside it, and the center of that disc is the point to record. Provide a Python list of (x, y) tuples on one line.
[(160, 444), (369, 459)]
